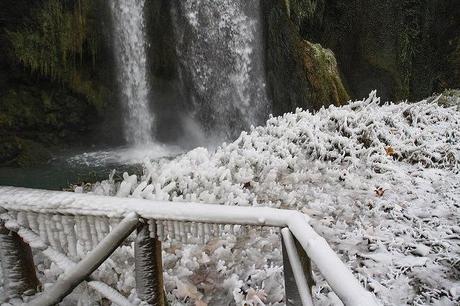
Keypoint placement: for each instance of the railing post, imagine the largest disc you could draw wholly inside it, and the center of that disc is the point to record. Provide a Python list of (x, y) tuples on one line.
[(149, 267), (17, 264), (298, 278)]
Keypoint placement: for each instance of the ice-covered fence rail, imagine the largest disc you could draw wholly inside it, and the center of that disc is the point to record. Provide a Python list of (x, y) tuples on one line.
[(335, 272)]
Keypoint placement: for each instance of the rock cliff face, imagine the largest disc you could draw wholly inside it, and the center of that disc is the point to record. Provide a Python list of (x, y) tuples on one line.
[(56, 75), (405, 49), (299, 73)]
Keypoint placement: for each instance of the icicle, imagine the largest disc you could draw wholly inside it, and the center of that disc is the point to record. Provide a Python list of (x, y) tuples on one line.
[(201, 232), (42, 228), (194, 230), (215, 230), (97, 224), (165, 230), (51, 233), (78, 230), (105, 226), (182, 232), (32, 239), (188, 228), (171, 230), (85, 234), (13, 214), (160, 230), (69, 230), (222, 231), (22, 219), (93, 232), (60, 234), (152, 228), (32, 219), (114, 222), (176, 230), (236, 229), (207, 232)]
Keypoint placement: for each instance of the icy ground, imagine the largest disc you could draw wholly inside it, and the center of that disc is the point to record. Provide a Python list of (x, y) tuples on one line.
[(381, 183)]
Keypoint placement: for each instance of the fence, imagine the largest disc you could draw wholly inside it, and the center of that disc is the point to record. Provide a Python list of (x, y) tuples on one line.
[(79, 232)]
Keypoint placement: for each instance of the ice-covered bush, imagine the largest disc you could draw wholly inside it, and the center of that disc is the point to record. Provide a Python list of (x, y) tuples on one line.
[(380, 181)]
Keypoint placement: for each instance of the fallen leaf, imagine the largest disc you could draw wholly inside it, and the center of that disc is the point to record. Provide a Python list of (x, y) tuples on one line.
[(379, 191), (390, 151)]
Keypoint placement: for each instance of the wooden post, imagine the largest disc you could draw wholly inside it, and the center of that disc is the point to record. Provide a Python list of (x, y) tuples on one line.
[(17, 265), (298, 278), (149, 267)]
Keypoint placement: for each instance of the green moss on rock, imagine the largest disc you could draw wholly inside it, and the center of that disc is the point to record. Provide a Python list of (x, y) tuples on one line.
[(55, 42), (57, 71), (299, 73), (404, 49), (322, 73), (15, 151)]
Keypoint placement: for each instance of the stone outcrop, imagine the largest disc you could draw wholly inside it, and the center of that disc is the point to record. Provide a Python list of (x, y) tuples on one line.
[(299, 73)]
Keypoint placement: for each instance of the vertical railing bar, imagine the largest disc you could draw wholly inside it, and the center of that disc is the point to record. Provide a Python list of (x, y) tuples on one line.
[(297, 268)]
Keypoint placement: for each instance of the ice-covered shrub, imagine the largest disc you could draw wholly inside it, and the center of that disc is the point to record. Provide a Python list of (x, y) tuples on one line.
[(380, 181)]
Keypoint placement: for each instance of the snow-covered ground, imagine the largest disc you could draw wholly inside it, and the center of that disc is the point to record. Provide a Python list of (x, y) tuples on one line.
[(381, 183)]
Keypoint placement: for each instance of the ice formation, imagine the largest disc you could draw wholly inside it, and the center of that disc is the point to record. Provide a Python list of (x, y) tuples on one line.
[(380, 181)]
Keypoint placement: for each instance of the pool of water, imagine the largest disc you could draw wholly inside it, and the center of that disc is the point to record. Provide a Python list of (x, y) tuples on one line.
[(78, 166)]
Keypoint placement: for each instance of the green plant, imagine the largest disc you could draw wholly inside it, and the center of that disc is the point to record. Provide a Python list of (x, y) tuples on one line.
[(55, 43)]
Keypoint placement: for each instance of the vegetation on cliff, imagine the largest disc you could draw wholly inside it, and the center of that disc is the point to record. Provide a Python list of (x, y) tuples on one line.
[(404, 49), (299, 73), (55, 73)]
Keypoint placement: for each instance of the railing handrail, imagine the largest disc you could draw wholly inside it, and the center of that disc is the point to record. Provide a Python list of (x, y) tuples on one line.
[(336, 273)]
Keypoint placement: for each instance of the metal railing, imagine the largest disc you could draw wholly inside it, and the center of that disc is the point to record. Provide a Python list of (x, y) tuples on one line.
[(80, 231)]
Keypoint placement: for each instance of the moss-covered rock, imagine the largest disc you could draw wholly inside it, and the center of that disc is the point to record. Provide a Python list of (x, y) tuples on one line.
[(59, 42), (405, 49), (299, 73), (56, 70), (20, 152), (323, 75)]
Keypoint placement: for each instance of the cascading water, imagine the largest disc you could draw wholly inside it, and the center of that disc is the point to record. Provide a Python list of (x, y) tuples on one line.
[(130, 49), (219, 46)]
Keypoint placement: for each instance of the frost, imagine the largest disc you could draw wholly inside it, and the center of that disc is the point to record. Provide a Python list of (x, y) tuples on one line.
[(381, 182)]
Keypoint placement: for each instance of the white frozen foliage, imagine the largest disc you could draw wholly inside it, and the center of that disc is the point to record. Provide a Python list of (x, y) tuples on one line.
[(381, 183)]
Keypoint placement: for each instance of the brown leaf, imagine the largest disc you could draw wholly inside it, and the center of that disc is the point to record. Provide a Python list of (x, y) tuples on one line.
[(390, 151), (379, 191)]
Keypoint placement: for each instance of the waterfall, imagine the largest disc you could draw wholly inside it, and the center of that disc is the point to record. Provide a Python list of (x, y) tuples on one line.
[(220, 51), (130, 52)]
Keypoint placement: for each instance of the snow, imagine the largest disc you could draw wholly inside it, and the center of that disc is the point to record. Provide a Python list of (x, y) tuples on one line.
[(381, 183), (329, 165)]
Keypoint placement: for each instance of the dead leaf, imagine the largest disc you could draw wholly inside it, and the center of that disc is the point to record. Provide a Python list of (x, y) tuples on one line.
[(390, 151), (379, 191)]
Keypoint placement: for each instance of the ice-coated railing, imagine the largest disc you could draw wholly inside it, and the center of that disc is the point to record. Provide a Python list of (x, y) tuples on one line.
[(79, 232)]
